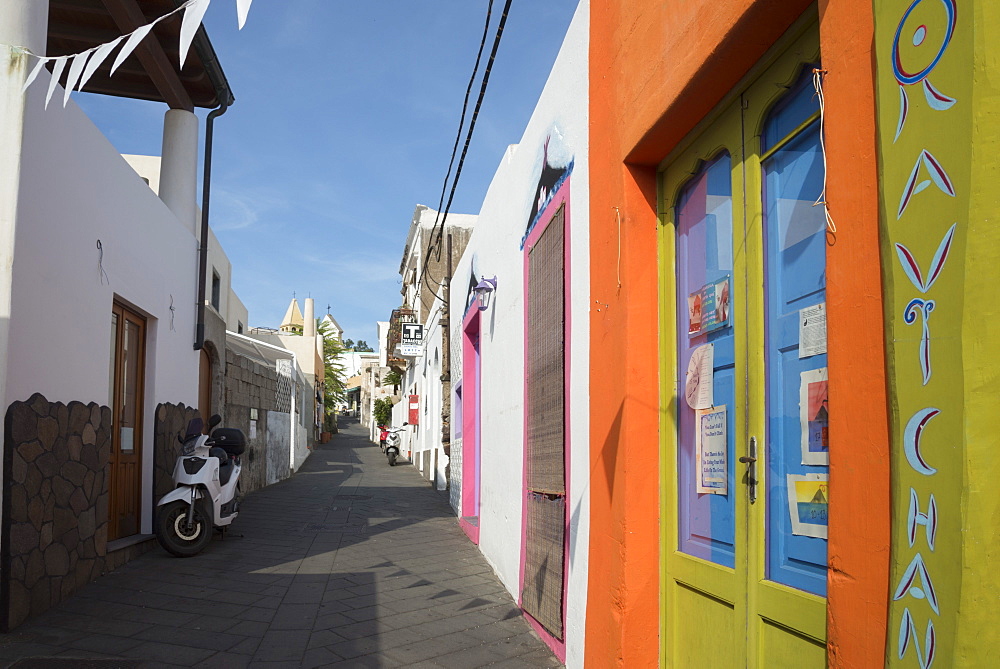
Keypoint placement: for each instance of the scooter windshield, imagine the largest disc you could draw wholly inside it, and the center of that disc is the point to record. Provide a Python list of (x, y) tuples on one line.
[(195, 428)]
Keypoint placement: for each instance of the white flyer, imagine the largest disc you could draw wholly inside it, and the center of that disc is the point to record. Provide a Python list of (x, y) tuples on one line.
[(713, 451), (698, 386), (812, 330)]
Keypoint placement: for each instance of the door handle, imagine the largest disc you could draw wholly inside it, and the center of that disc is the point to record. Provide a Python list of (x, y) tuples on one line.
[(751, 462)]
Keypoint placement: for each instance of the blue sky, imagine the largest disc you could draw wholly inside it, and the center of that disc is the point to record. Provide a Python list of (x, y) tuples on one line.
[(345, 117)]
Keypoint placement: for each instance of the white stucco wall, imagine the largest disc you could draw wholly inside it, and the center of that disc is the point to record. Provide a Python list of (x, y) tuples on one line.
[(434, 462), (302, 446), (75, 190), (231, 308), (308, 350), (423, 378), (279, 437), (383, 333), (236, 312), (494, 249), (354, 362)]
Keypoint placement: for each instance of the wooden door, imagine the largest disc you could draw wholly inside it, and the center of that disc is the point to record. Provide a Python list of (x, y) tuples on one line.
[(745, 475), (128, 344)]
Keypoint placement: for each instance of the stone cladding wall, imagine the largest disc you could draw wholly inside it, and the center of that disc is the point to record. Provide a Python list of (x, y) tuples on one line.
[(55, 506), (250, 385)]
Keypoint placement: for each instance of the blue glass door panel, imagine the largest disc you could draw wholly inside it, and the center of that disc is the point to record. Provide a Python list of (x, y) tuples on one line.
[(795, 279)]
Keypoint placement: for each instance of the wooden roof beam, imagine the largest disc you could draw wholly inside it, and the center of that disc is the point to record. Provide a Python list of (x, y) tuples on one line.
[(128, 17)]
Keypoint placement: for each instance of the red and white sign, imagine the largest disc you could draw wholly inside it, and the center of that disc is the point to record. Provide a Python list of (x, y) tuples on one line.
[(414, 407)]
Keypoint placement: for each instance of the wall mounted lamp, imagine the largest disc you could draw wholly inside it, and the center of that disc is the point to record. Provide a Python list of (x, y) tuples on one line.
[(484, 290)]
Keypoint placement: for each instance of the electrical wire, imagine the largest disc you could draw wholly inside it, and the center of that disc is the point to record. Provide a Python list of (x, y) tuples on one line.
[(475, 115), (821, 96), (439, 226), (427, 279), (465, 108), (102, 275), (458, 137)]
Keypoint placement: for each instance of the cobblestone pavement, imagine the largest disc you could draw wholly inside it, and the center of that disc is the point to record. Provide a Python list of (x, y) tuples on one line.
[(349, 563)]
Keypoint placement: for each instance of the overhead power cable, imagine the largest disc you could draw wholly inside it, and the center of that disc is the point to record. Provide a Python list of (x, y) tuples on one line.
[(465, 107), (458, 137), (441, 218)]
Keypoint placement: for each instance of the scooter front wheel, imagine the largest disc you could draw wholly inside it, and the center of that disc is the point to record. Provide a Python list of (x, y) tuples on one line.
[(175, 536)]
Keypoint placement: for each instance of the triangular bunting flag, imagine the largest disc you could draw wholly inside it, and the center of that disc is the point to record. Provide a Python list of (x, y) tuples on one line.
[(131, 44), (34, 73), (75, 70), (57, 70), (193, 14), (242, 9), (100, 55)]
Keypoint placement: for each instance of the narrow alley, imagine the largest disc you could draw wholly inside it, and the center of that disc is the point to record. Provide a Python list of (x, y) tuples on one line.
[(348, 563)]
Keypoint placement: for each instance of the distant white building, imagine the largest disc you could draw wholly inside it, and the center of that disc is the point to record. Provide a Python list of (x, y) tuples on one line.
[(305, 371), (332, 326), (434, 245)]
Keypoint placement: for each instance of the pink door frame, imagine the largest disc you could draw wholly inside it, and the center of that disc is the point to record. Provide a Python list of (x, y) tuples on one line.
[(471, 392), (559, 199)]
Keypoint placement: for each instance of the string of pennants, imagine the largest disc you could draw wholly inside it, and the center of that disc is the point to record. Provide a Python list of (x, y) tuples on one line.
[(83, 65)]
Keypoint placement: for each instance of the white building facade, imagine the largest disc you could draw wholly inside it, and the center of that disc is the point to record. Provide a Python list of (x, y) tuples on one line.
[(433, 246), (520, 449), (91, 409)]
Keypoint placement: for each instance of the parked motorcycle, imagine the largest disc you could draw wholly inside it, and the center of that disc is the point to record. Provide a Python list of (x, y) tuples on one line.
[(392, 444), (205, 496)]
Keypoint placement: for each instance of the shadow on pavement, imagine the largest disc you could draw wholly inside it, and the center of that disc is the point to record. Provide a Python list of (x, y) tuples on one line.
[(350, 562)]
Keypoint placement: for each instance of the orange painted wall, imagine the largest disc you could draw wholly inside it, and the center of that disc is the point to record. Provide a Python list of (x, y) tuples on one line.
[(858, 583), (656, 68)]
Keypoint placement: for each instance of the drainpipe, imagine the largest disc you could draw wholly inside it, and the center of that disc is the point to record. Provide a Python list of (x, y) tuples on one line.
[(203, 250)]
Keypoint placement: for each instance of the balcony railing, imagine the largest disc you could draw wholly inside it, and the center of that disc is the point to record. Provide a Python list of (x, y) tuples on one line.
[(395, 336)]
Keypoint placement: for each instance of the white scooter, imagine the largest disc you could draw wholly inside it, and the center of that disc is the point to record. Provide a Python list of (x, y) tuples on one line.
[(206, 476), (392, 444)]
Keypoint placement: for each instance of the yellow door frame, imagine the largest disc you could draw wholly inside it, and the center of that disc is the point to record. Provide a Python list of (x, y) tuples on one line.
[(735, 124)]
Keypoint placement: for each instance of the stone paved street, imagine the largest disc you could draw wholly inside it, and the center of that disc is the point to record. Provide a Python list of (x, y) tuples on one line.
[(350, 563)]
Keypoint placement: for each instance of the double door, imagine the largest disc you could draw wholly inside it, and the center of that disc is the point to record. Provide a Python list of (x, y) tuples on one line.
[(745, 444)]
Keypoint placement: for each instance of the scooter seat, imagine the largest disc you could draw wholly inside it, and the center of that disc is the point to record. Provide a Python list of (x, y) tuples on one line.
[(225, 471)]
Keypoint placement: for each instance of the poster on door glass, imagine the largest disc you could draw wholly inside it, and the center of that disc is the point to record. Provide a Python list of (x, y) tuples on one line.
[(713, 456), (808, 501), (125, 440), (814, 417), (708, 308), (699, 385)]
